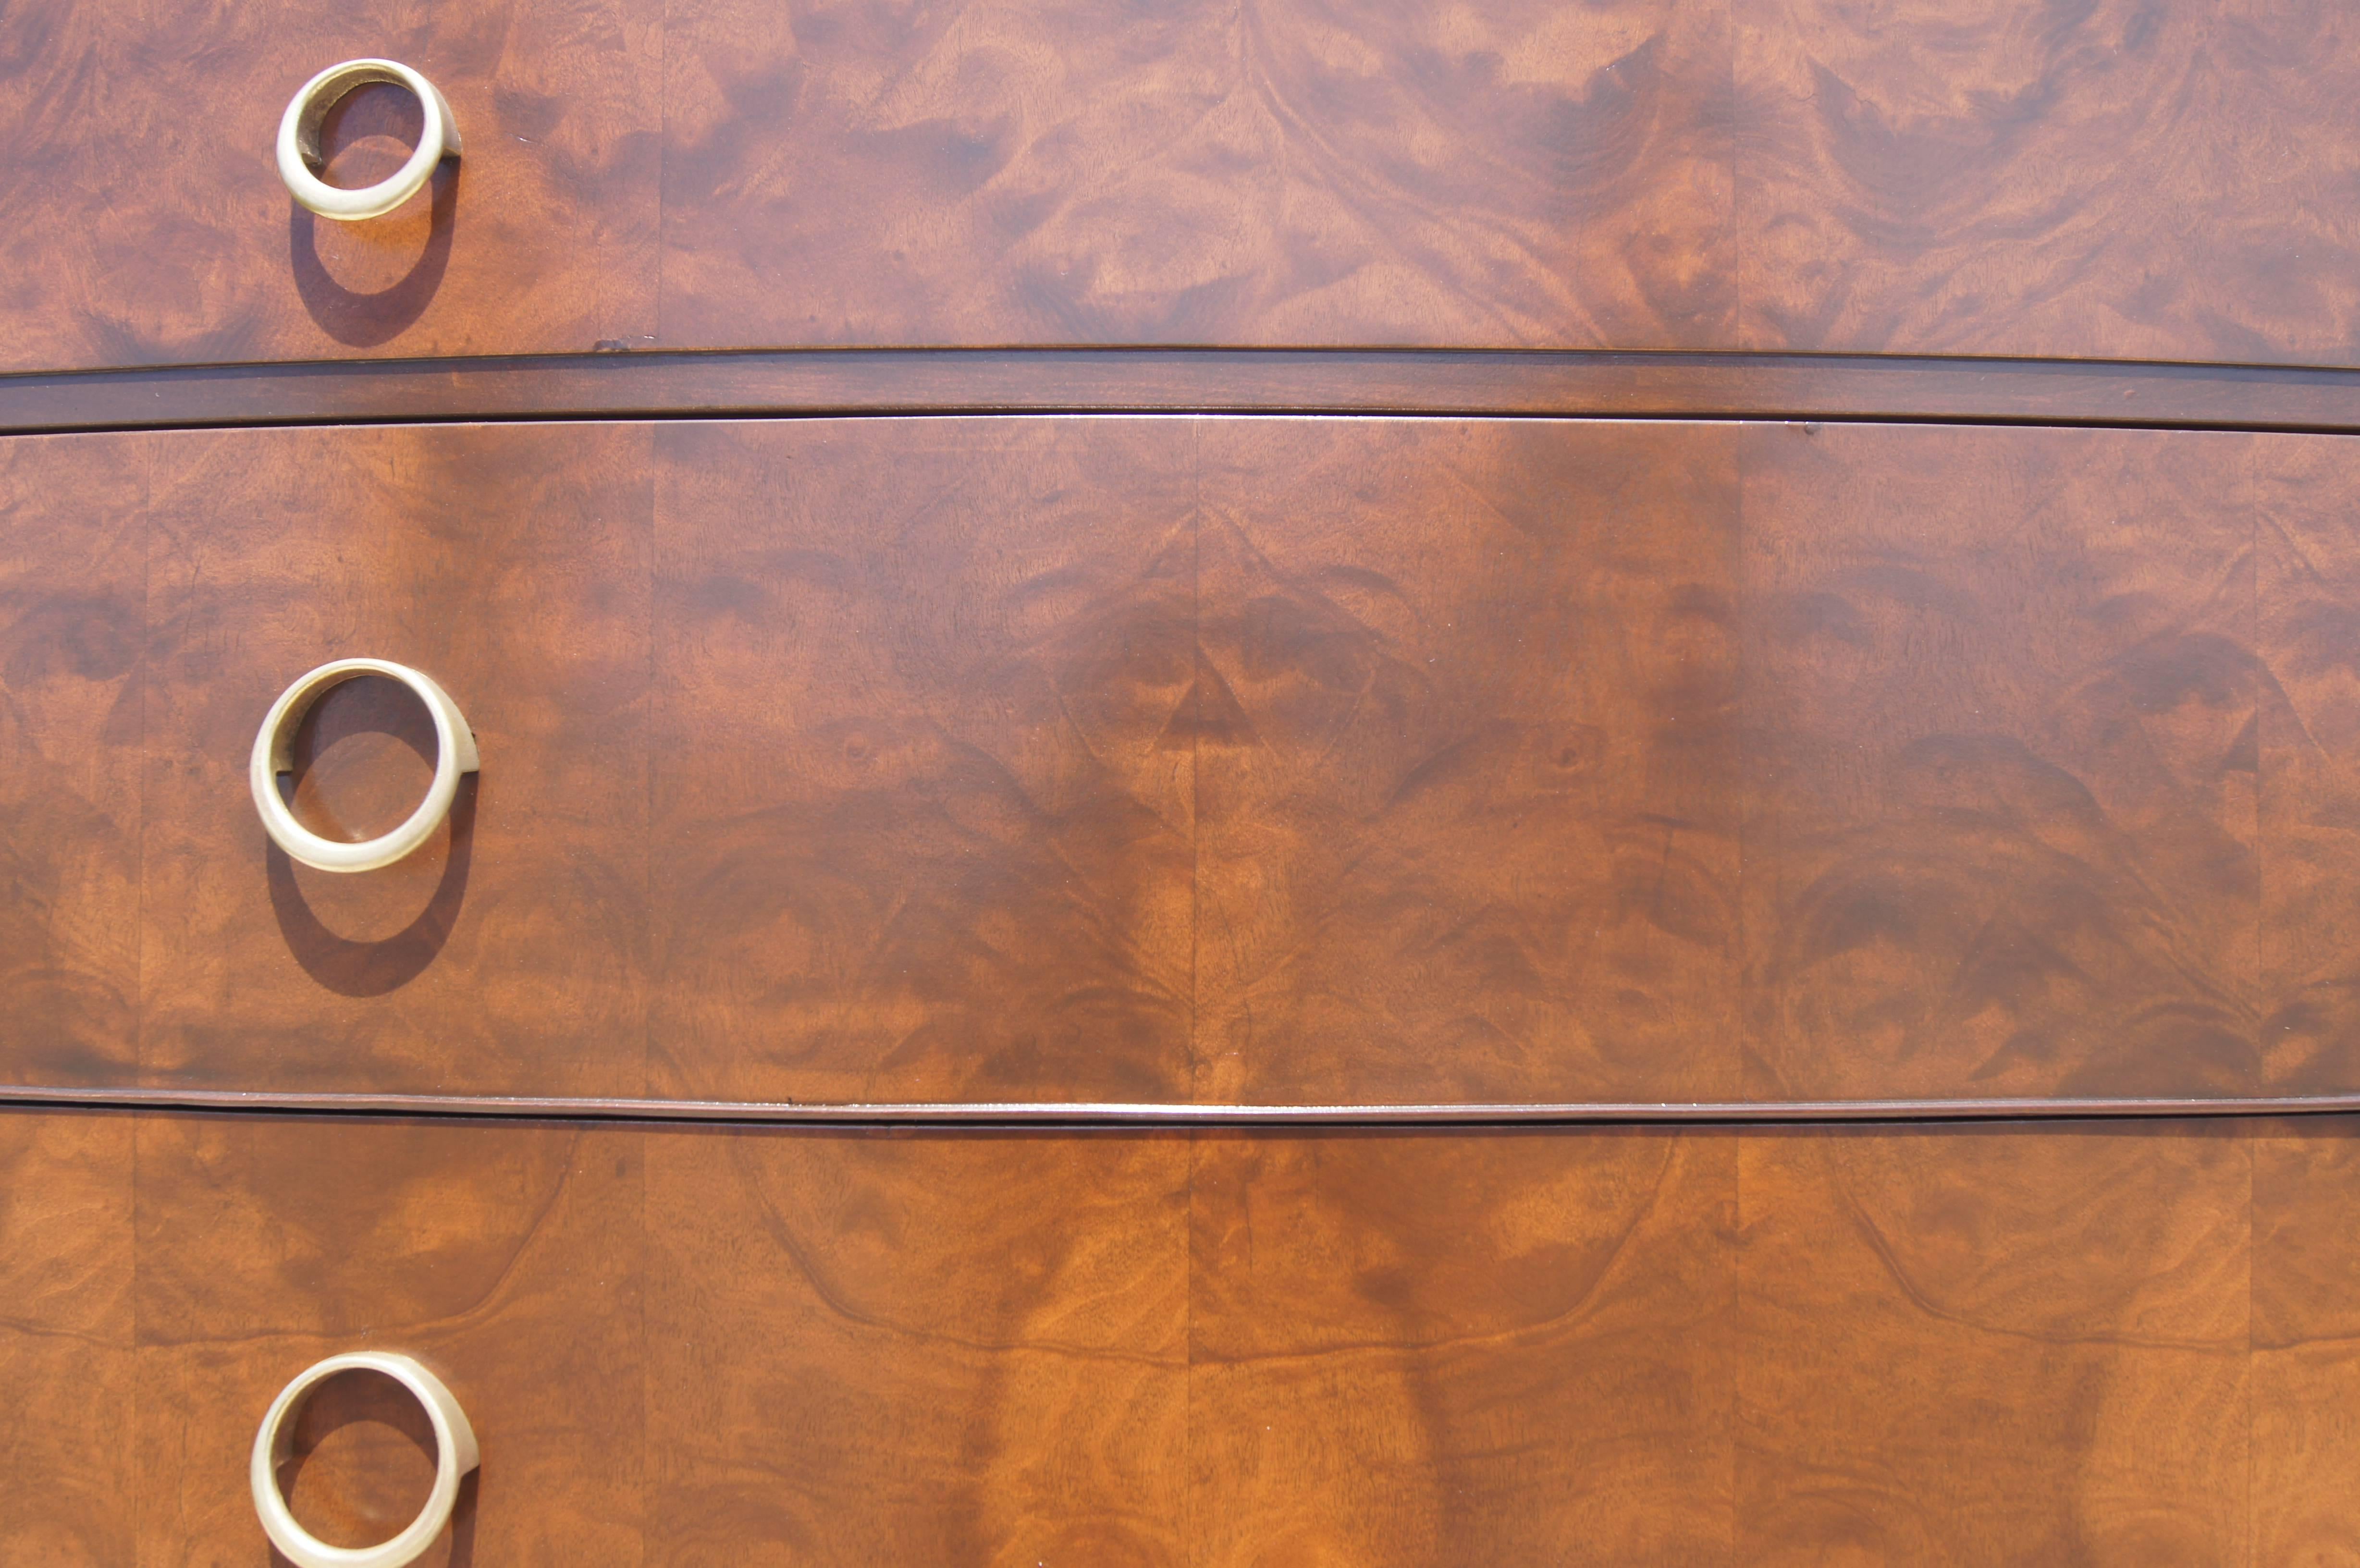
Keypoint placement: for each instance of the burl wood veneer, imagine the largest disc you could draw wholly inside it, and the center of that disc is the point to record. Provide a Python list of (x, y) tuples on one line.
[(2121, 178), (1373, 761), (2124, 1343)]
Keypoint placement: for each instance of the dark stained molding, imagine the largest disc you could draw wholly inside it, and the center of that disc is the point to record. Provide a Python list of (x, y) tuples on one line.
[(1084, 1117), (905, 382)]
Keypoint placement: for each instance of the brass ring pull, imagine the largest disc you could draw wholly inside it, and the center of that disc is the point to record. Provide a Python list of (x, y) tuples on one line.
[(455, 1456), (300, 160), (454, 753)]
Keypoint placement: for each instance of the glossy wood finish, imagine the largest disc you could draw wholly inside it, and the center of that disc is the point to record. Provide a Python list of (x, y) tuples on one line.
[(1998, 1347), (1416, 1349), (725, 1344), (2112, 179), (924, 802), (2122, 180), (1228, 761), (2309, 569), (146, 223), (2001, 709), (513, 567), (73, 618), (888, 1348), (1291, 173), (514, 1265), (1468, 773), (67, 1356), (2306, 1339)]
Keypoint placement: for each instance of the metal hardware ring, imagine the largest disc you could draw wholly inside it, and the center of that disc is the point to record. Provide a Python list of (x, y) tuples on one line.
[(454, 753), (300, 160), (455, 1456)]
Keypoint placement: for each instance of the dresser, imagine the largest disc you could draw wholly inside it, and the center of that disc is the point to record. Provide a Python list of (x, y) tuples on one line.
[(1280, 784)]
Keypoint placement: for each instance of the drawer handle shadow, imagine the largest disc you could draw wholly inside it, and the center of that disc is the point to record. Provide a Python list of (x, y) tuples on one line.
[(299, 159), (454, 753), (454, 1454)]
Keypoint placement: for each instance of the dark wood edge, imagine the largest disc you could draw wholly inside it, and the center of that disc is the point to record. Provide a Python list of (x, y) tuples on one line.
[(1082, 1115), (904, 382)]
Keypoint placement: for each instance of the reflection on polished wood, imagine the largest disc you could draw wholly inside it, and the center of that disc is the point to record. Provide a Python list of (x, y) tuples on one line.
[(1467, 762), (2113, 180), (2119, 180), (2109, 1344), (1276, 173), (511, 1264), (924, 789), (1227, 761), (1997, 1345), (72, 622), (144, 222), (1411, 1348), (896, 1349), (512, 566), (66, 1352), (2000, 708)]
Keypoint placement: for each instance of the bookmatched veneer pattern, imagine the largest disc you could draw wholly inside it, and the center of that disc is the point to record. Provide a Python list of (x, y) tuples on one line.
[(2118, 1344), (2011, 178), (2001, 703), (1998, 1345), (1288, 173), (1413, 1346), (897, 1349), (2122, 179), (1382, 761), (924, 789), (1468, 763)]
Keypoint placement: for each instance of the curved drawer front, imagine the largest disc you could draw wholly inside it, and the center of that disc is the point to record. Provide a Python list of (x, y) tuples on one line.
[(1258, 761), (723, 1346), (2133, 180)]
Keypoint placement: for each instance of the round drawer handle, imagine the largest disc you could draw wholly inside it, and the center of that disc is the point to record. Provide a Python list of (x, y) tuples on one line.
[(298, 141), (454, 753), (455, 1456)]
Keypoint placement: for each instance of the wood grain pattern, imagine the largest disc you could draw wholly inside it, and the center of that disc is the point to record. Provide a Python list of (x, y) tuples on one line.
[(2306, 1339), (2120, 180), (2309, 559), (510, 1263), (1467, 763), (2001, 730), (146, 223), (514, 567), (2113, 180), (1228, 761), (889, 1349), (1291, 173), (73, 613), (1995, 1346), (1444, 1348), (923, 808), (66, 1328), (724, 1345)]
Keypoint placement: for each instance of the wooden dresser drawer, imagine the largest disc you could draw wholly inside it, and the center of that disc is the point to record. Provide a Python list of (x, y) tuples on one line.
[(1266, 761), (2124, 179), (730, 1345)]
